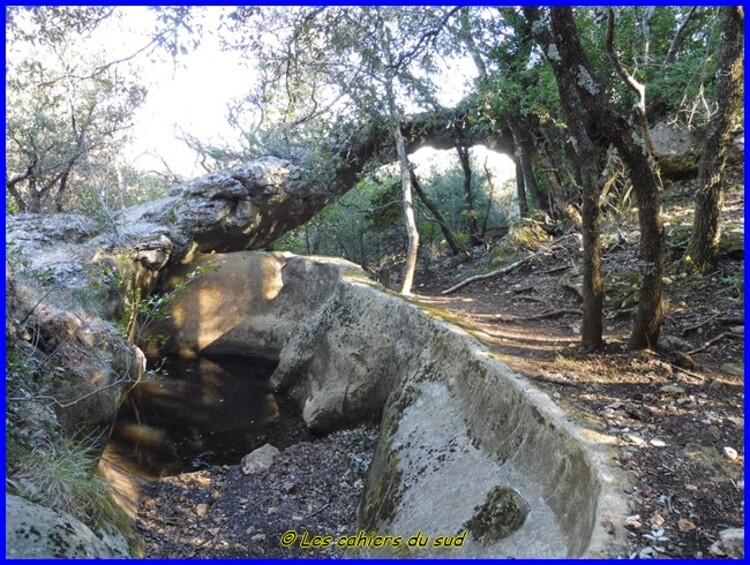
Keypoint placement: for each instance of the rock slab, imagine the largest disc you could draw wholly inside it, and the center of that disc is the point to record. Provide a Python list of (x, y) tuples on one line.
[(36, 532)]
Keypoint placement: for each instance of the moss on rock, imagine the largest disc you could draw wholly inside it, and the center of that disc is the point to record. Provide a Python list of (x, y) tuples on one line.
[(524, 236), (503, 512)]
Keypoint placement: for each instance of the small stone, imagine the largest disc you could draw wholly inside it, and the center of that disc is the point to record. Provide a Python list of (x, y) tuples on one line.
[(672, 343), (685, 525), (272, 510), (637, 440), (216, 495), (731, 453), (657, 520), (297, 518), (258, 538), (243, 500), (691, 487), (201, 510), (733, 541), (672, 389), (738, 329), (658, 442), (633, 522), (260, 460), (214, 531), (714, 432)]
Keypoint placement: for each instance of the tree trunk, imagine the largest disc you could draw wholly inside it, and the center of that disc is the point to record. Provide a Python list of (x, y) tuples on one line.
[(471, 214), (456, 247), (60, 196), (703, 251), (10, 187), (631, 148), (523, 153), (523, 205), (411, 224), (585, 159), (555, 185)]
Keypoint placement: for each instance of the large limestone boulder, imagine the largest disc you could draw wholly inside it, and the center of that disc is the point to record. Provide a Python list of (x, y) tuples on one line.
[(677, 149), (464, 440), (466, 445), (33, 531), (343, 361), (244, 303)]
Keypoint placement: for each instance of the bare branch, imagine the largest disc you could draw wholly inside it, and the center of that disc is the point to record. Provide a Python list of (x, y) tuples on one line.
[(679, 38), (638, 88)]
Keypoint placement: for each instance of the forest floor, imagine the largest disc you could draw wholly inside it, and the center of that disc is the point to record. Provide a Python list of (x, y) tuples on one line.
[(675, 417)]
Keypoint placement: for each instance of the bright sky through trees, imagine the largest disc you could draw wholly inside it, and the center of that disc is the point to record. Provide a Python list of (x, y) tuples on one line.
[(191, 94)]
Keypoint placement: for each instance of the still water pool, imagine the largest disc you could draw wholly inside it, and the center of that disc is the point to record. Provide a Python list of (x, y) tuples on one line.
[(202, 412)]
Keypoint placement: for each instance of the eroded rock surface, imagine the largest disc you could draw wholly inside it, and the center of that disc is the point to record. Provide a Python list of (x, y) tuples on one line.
[(33, 531), (457, 425), (245, 303), (87, 366)]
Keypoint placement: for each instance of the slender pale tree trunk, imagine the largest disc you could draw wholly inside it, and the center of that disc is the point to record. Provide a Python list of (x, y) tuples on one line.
[(411, 223)]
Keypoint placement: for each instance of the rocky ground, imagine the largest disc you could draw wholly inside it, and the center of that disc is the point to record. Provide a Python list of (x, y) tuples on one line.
[(220, 512), (675, 416)]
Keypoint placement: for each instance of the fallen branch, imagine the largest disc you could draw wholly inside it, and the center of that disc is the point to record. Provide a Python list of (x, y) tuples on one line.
[(711, 341), (508, 268), (318, 511), (551, 314), (688, 372), (556, 269), (534, 299), (689, 329), (556, 379)]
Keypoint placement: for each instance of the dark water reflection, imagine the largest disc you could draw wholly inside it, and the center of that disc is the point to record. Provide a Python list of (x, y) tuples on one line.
[(203, 411)]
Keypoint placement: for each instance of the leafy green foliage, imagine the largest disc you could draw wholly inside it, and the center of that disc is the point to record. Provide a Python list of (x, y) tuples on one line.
[(142, 312)]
